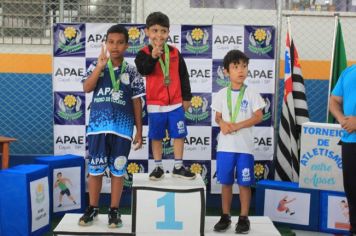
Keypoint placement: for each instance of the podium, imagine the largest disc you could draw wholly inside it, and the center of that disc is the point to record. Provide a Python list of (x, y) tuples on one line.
[(169, 206), (260, 226), (24, 200)]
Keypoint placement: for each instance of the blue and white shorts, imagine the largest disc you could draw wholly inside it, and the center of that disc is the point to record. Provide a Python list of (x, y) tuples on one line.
[(230, 164), (108, 150), (173, 121)]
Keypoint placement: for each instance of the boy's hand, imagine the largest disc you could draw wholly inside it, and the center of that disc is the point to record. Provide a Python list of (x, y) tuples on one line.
[(236, 126), (157, 50), (103, 57), (186, 105), (137, 141), (225, 127)]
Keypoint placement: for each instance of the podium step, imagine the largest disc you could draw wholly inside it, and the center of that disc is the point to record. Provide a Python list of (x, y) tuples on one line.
[(69, 226), (260, 226)]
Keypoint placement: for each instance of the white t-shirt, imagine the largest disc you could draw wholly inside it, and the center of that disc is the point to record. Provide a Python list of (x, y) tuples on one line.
[(242, 140)]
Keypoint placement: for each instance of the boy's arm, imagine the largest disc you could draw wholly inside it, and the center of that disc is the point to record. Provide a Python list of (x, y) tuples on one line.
[(224, 126), (90, 83), (137, 106), (145, 63), (255, 119), (184, 82)]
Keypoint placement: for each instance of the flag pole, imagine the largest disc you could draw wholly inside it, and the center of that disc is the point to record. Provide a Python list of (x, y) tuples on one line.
[(289, 30), (331, 65), (289, 33)]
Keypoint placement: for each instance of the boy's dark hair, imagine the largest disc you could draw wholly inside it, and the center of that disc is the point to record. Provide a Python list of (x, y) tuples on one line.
[(234, 56), (118, 29), (59, 173), (157, 18)]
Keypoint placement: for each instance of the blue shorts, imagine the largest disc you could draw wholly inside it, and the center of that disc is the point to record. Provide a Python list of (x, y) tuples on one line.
[(173, 121), (108, 150), (230, 164)]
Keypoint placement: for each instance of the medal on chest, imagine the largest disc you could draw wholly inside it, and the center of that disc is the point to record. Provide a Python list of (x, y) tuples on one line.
[(167, 80), (115, 96), (165, 66)]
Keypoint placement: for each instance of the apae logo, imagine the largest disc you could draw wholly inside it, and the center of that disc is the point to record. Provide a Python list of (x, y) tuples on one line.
[(200, 169), (131, 169), (67, 142), (228, 39), (198, 110), (260, 74), (197, 140), (266, 112), (246, 174), (197, 41), (263, 141), (261, 171), (40, 196), (69, 39), (95, 38), (66, 139), (173, 39), (260, 41), (167, 146), (69, 108), (143, 102), (68, 74), (136, 39), (222, 80), (244, 105)]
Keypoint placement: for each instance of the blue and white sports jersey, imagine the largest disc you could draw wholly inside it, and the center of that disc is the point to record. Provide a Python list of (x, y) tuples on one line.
[(108, 115)]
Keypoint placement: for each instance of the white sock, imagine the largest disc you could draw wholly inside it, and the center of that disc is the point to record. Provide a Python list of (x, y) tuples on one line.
[(178, 163), (159, 164)]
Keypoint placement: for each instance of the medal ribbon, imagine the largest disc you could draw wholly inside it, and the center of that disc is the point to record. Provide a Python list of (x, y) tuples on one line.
[(165, 65), (233, 116), (116, 82)]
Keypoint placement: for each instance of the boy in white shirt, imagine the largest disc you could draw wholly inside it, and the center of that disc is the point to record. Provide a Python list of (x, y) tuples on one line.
[(237, 108)]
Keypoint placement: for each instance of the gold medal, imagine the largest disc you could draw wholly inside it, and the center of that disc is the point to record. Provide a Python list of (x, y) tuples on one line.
[(167, 80)]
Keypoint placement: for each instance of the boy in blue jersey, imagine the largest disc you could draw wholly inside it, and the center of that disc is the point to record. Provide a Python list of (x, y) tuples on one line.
[(116, 107), (237, 108), (343, 108)]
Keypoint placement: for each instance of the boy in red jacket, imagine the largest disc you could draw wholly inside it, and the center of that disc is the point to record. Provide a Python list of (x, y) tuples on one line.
[(168, 94)]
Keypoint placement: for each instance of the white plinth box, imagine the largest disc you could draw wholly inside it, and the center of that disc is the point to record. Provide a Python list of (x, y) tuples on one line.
[(171, 205)]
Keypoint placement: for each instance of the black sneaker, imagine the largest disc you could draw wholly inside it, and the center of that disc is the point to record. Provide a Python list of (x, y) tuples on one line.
[(90, 214), (183, 173), (157, 173), (243, 225), (223, 224), (114, 218)]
